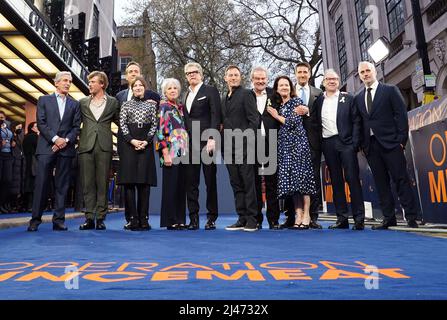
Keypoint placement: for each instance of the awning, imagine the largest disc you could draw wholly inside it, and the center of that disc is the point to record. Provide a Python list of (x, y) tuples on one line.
[(31, 53)]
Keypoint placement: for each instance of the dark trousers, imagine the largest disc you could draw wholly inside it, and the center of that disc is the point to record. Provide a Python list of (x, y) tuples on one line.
[(137, 202), (271, 184), (173, 198), (385, 163), (94, 170), (6, 164), (192, 173), (342, 162), (45, 165), (242, 179)]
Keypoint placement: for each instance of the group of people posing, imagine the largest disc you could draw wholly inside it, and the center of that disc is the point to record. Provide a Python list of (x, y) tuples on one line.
[(306, 123)]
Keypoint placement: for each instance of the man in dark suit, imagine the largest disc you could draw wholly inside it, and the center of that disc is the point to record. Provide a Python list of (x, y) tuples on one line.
[(58, 120), (264, 98), (203, 109), (340, 126), (239, 114), (95, 149), (385, 134), (133, 70), (308, 95)]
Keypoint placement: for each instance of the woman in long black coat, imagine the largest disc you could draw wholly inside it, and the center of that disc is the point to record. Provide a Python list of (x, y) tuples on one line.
[(138, 122)]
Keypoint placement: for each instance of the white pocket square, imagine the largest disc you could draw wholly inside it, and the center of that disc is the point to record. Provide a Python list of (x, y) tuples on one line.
[(342, 100), (201, 98)]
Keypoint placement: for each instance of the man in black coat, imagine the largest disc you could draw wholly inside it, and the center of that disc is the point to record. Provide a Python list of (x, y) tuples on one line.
[(308, 95), (385, 134), (202, 109), (240, 117), (133, 70), (340, 126), (58, 120), (264, 98)]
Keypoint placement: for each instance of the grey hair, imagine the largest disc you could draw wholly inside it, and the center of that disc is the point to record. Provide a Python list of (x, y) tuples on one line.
[(194, 64), (166, 82), (60, 74), (371, 65), (256, 69), (330, 71)]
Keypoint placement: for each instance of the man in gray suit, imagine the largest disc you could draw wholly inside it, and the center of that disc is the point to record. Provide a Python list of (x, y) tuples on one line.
[(58, 120), (95, 149)]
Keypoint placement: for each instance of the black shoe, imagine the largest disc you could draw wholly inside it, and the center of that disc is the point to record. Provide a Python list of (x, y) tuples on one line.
[(315, 225), (172, 227), (412, 223), (181, 226), (127, 226), (288, 223), (237, 226), (193, 226), (32, 228), (251, 227), (274, 225), (145, 227), (340, 225), (385, 225), (210, 225), (59, 227), (359, 226), (89, 224), (100, 224), (259, 225), (193, 222)]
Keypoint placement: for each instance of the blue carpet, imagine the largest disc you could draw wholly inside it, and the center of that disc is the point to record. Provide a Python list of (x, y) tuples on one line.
[(161, 264)]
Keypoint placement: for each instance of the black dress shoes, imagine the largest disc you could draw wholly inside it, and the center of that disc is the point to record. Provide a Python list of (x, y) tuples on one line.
[(89, 224), (127, 226), (193, 226), (359, 226), (210, 225), (59, 227), (315, 225), (100, 225), (412, 223), (32, 228), (145, 227), (340, 225), (385, 225)]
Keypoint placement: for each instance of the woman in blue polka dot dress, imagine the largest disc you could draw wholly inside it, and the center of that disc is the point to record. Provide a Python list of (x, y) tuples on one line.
[(295, 174)]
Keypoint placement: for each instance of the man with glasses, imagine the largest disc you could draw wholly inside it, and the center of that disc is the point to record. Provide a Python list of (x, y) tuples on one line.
[(203, 110), (339, 127)]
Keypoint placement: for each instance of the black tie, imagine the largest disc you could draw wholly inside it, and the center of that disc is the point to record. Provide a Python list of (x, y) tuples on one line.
[(369, 100)]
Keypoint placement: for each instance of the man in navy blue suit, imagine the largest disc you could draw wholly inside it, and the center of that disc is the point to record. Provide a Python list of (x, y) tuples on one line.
[(385, 134), (133, 70), (58, 120), (340, 126)]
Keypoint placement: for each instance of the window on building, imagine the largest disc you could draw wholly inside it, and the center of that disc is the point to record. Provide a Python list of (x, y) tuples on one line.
[(365, 37), (123, 63), (341, 48), (95, 22), (396, 17)]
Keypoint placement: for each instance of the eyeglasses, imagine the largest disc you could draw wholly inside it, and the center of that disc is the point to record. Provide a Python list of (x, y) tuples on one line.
[(331, 79), (192, 72)]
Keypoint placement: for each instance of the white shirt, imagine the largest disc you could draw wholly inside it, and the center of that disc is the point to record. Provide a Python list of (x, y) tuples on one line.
[(261, 102), (329, 115), (129, 94), (373, 94), (61, 102), (98, 109), (306, 89), (191, 96)]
